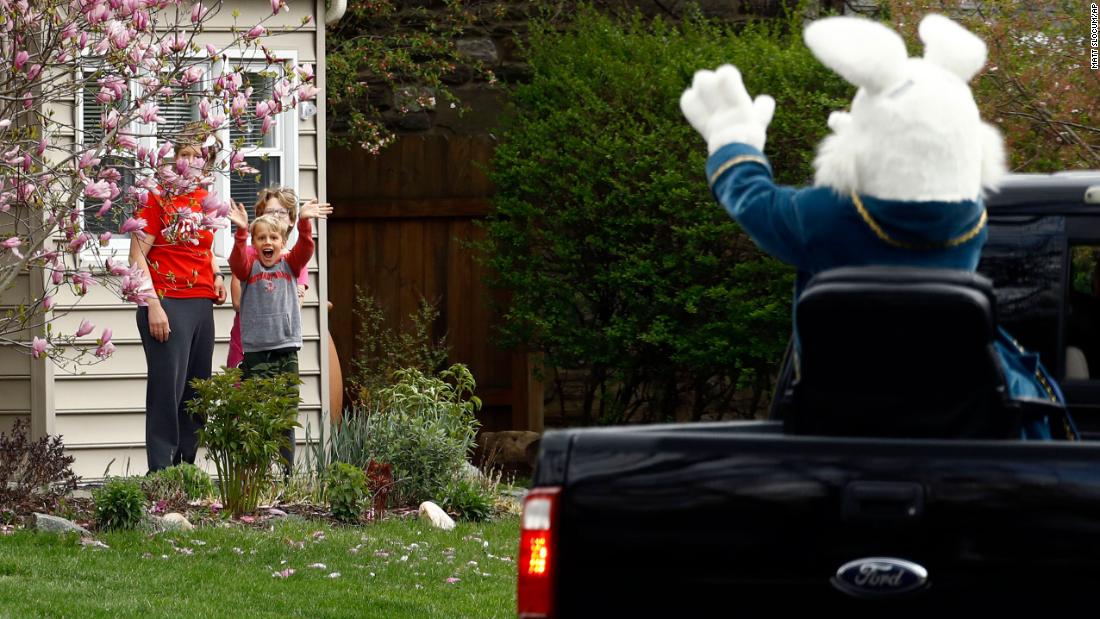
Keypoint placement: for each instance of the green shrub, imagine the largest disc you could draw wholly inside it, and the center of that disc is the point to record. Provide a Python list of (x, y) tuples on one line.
[(246, 422), (380, 350), (619, 263), (193, 481), (119, 504), (424, 426), (467, 498), (346, 489)]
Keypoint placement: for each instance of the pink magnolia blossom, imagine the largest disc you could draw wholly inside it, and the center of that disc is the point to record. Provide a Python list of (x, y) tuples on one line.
[(197, 13), (39, 347), (21, 58), (12, 244), (256, 32), (263, 108), (126, 141), (86, 327), (119, 34), (267, 124), (83, 279), (77, 243), (41, 148), (4, 124), (47, 302), (33, 72), (110, 121), (106, 349), (57, 276), (133, 224), (275, 6), (105, 238), (192, 75), (26, 191), (88, 159), (305, 71), (307, 92), (98, 190), (104, 208), (211, 50), (150, 112)]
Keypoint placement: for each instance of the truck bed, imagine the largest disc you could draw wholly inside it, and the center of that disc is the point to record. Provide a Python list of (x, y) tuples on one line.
[(665, 518)]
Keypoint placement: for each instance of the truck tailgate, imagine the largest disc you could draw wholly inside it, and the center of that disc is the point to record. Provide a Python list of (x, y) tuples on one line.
[(688, 518)]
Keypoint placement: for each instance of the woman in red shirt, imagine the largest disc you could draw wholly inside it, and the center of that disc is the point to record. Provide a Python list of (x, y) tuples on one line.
[(177, 326)]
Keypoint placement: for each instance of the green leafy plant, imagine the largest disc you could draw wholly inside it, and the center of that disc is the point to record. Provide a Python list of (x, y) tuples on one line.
[(467, 498), (245, 426), (119, 504), (621, 267), (194, 482), (381, 350), (34, 474), (346, 491), (424, 426)]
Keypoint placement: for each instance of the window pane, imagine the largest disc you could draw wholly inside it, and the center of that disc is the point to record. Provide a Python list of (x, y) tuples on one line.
[(249, 132), (1023, 257), (177, 111), (245, 188), (112, 220)]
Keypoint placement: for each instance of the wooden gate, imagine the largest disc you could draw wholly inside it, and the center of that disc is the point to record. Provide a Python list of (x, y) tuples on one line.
[(399, 226)]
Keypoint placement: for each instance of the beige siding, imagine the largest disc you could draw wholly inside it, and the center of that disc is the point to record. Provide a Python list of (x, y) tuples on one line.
[(100, 409)]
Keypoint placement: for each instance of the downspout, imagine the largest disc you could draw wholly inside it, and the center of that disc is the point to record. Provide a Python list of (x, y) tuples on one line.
[(334, 11)]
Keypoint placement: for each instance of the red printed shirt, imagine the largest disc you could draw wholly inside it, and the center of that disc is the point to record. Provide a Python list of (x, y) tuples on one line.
[(180, 258)]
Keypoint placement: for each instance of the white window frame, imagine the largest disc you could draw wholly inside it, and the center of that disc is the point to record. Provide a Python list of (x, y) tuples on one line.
[(119, 245), (285, 133)]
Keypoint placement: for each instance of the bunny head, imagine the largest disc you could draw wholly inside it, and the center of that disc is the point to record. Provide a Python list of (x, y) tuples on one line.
[(913, 132)]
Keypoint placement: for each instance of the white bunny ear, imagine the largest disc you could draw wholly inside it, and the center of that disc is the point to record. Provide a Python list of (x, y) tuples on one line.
[(951, 46), (863, 52)]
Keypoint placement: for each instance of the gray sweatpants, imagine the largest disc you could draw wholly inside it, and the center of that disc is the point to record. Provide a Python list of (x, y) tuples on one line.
[(170, 431)]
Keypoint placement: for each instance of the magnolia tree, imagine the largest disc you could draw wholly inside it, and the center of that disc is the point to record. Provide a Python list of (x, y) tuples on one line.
[(124, 59)]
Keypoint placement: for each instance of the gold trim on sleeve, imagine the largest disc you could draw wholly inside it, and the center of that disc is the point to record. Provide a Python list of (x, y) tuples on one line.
[(881, 234), (732, 162)]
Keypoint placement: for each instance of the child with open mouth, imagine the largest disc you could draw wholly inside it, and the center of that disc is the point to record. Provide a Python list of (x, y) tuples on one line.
[(271, 320)]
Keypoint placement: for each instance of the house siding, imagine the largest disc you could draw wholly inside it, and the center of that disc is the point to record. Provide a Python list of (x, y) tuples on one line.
[(100, 409)]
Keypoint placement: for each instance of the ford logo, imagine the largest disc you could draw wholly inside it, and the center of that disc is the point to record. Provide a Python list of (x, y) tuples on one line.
[(879, 577)]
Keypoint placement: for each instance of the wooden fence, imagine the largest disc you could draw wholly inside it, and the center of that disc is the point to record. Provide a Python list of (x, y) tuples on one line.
[(399, 228)]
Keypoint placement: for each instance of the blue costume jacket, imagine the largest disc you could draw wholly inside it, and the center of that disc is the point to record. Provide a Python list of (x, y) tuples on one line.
[(815, 229)]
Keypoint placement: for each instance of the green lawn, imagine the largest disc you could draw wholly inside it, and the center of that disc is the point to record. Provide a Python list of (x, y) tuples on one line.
[(397, 568)]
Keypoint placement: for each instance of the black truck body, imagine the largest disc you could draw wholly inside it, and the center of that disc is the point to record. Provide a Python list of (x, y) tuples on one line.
[(686, 518)]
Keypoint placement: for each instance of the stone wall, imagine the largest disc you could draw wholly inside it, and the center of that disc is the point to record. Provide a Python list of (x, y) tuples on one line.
[(495, 41)]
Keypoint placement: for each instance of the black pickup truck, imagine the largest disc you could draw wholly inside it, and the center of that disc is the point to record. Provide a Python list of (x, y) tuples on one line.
[(890, 477)]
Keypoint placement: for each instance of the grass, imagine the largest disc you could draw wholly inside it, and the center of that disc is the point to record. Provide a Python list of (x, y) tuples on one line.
[(397, 568)]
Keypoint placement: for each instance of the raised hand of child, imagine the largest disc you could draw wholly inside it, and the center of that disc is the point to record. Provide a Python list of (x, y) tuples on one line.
[(238, 215), (315, 210)]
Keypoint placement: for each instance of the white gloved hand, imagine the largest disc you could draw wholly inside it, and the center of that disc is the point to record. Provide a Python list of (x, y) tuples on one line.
[(719, 108)]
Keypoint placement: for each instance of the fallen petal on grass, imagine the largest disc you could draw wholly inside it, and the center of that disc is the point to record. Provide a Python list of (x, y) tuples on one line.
[(283, 574)]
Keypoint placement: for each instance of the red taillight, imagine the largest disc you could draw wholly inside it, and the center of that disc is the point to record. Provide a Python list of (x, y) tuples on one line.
[(537, 560)]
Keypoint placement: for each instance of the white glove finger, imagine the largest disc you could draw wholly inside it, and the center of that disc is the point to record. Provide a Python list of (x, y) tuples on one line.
[(731, 88), (706, 88), (694, 110), (764, 106), (839, 120)]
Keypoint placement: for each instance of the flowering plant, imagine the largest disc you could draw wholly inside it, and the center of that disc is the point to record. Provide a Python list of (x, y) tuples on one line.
[(66, 189)]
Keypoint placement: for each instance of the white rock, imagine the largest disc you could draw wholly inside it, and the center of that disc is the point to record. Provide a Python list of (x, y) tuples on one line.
[(175, 522), (436, 516)]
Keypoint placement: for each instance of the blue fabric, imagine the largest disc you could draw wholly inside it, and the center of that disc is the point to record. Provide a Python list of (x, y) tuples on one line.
[(815, 229)]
